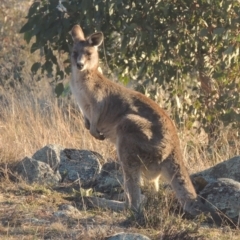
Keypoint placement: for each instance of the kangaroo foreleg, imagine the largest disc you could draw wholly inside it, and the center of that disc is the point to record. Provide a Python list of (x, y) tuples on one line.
[(95, 113), (86, 123)]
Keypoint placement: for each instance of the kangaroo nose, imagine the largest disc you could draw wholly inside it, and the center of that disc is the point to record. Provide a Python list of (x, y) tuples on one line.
[(80, 66)]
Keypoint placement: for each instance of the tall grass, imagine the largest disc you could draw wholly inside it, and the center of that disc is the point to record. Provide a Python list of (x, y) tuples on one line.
[(199, 156), (28, 122)]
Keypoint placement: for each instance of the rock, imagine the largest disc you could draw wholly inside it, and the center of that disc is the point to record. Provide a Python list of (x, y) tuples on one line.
[(66, 210), (80, 165), (127, 236), (224, 193), (37, 171), (110, 179), (226, 169), (49, 154), (37, 221)]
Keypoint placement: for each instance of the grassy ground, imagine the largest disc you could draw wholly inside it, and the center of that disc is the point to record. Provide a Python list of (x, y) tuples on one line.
[(31, 119), (28, 122)]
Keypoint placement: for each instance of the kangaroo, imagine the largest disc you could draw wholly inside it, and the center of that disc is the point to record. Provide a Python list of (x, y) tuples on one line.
[(144, 135)]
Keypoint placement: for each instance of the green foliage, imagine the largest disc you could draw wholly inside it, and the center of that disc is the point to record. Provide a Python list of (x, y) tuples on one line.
[(59, 89), (11, 45), (190, 48)]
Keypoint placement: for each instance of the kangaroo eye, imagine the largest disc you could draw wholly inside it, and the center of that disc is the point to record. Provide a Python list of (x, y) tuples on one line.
[(88, 53), (75, 54)]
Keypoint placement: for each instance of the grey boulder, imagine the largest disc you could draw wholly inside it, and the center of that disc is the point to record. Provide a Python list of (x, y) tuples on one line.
[(127, 236), (37, 171), (80, 165), (223, 194), (49, 154)]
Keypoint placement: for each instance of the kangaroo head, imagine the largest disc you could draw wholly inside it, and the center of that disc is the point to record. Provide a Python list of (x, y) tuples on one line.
[(85, 50)]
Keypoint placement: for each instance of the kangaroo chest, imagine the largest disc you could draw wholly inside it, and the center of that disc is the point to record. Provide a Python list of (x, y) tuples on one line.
[(79, 93)]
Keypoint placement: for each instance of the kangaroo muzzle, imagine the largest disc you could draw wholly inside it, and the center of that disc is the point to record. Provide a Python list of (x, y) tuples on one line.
[(80, 66)]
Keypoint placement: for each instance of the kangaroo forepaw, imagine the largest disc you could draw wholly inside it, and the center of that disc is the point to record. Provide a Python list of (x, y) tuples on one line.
[(101, 137), (97, 134)]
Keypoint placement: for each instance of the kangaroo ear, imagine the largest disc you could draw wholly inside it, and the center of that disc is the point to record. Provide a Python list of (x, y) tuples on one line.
[(77, 33), (95, 39)]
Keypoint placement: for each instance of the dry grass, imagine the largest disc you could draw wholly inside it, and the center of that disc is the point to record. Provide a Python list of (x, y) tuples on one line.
[(28, 123)]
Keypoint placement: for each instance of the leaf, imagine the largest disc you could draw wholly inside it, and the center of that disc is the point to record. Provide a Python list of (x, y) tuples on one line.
[(26, 27), (51, 32), (27, 36), (86, 4), (60, 74), (59, 89), (33, 8), (48, 66), (61, 8), (34, 47), (111, 9), (35, 67), (86, 192), (141, 69), (229, 50), (124, 45), (218, 31), (124, 79), (203, 32), (50, 54), (66, 90)]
